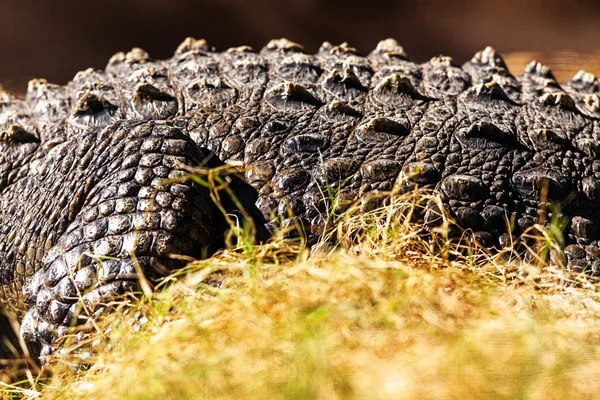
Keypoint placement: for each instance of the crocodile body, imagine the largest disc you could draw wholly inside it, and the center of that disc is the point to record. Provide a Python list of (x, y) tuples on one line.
[(90, 172)]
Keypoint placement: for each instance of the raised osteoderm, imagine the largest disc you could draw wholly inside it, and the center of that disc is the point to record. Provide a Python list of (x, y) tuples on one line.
[(90, 172)]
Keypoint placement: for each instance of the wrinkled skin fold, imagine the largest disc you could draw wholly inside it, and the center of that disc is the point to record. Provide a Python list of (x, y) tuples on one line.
[(91, 172)]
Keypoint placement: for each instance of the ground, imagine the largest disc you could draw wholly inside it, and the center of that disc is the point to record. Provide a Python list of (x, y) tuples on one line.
[(387, 314)]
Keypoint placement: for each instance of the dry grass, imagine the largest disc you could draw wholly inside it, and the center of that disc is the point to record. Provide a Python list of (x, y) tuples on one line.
[(387, 314), (564, 64)]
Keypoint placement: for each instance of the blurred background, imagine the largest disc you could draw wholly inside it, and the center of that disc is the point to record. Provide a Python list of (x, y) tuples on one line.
[(55, 39)]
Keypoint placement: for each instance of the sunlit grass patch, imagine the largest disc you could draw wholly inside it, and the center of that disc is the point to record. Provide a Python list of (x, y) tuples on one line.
[(385, 314)]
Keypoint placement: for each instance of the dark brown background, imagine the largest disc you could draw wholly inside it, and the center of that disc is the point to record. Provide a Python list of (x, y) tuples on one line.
[(55, 39)]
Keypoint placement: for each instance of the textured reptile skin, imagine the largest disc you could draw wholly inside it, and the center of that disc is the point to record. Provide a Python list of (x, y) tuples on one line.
[(83, 166)]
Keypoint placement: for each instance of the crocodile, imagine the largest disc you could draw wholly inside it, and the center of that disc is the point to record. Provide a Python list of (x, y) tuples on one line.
[(93, 185)]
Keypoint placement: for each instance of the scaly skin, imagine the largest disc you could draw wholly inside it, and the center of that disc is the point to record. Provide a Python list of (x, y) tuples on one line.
[(83, 167)]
